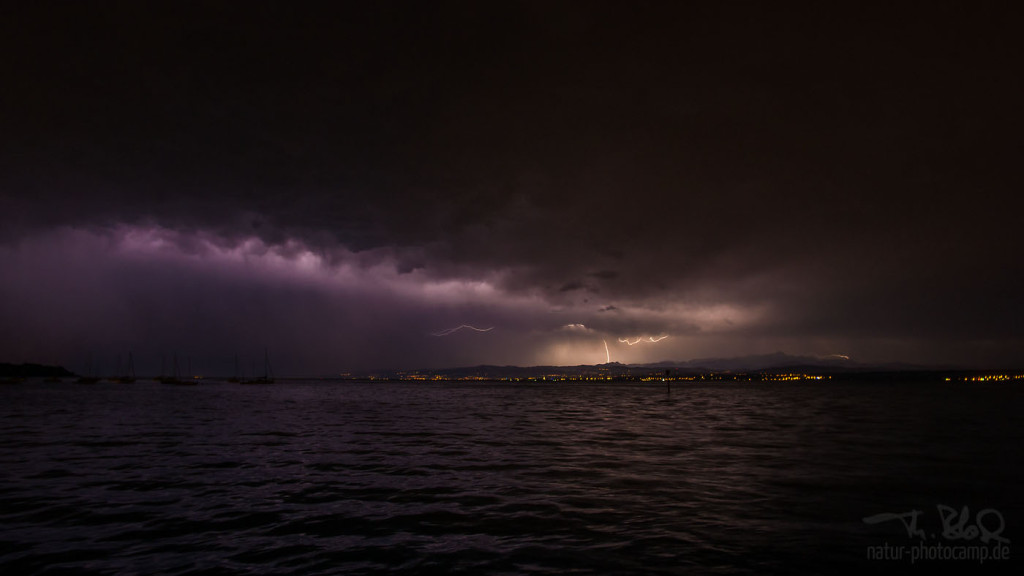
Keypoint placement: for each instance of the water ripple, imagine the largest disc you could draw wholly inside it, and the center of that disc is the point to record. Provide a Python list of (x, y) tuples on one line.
[(312, 478)]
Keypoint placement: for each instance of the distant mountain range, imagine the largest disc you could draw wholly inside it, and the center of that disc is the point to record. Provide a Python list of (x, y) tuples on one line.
[(771, 363), (782, 360), (777, 363)]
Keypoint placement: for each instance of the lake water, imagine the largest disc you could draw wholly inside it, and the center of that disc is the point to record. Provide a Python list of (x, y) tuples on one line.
[(496, 478)]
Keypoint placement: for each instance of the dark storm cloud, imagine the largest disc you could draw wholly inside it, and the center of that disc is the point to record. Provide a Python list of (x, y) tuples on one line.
[(773, 173), (83, 294)]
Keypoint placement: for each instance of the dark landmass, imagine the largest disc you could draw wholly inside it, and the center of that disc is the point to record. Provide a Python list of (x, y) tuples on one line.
[(781, 360), (767, 368), (33, 371), (761, 368)]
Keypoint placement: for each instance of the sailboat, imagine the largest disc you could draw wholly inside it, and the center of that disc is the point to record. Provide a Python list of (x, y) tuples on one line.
[(88, 379), (128, 376), (175, 378), (268, 375), (235, 378)]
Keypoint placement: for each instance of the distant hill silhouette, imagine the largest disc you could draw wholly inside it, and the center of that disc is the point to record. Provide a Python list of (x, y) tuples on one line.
[(781, 361), (777, 362), (773, 361), (33, 371)]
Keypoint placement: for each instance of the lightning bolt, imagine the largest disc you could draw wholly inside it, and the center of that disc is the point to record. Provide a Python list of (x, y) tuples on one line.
[(457, 328), (640, 339), (607, 354)]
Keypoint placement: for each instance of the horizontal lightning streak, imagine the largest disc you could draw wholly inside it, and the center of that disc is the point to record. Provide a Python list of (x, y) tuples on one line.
[(457, 328), (640, 339)]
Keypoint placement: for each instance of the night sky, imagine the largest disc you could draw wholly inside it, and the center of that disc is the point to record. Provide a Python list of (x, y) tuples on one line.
[(344, 186)]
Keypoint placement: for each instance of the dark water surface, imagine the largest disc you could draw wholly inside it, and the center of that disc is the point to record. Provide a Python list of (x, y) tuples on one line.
[(494, 478)]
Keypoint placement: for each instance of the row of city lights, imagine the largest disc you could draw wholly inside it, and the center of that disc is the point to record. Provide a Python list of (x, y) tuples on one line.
[(989, 378)]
